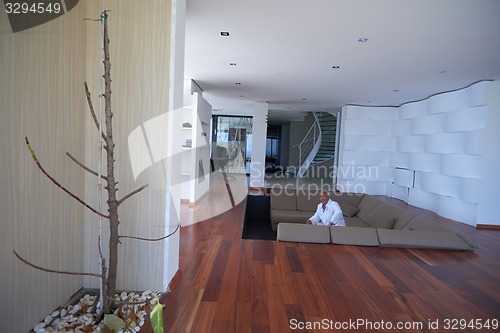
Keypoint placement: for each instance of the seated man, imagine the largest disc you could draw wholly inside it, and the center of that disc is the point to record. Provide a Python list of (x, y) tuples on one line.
[(328, 212)]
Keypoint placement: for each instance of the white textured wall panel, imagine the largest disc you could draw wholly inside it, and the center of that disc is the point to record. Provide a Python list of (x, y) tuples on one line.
[(370, 142), (467, 119), (457, 209), (426, 162), (473, 143), (429, 124), (401, 160), (448, 101), (401, 127), (446, 139), (461, 165), (438, 183), (413, 110), (446, 143), (372, 113), (411, 144), (367, 127), (422, 199), (365, 157), (469, 190), (403, 177), (400, 192)]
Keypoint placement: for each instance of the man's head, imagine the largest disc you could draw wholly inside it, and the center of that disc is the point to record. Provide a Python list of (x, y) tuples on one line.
[(324, 197)]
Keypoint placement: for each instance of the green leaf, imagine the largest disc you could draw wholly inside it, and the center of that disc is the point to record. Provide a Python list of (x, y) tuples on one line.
[(156, 317), (113, 322)]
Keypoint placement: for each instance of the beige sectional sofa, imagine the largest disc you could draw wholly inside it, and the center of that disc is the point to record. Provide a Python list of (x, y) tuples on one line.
[(369, 222)]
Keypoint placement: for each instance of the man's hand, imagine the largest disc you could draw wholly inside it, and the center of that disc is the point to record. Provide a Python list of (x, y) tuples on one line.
[(308, 222)]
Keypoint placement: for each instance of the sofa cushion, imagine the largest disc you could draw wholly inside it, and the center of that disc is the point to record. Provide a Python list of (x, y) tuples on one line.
[(382, 222), (352, 199), (289, 216), (421, 239), (366, 205), (348, 210), (308, 233), (354, 236), (284, 200), (421, 223), (307, 200), (386, 211), (355, 222)]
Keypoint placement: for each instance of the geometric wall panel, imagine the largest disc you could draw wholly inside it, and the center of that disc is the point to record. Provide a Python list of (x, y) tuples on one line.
[(400, 160), (446, 143), (426, 162), (461, 165), (440, 140), (467, 119), (413, 110), (370, 142), (410, 144), (401, 127), (365, 157), (438, 183), (449, 101), (429, 124), (367, 127), (403, 177)]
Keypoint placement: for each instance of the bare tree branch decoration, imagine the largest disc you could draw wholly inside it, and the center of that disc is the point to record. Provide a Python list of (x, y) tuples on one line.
[(108, 273)]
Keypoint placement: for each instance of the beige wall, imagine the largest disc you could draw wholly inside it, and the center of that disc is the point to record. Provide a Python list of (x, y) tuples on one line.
[(42, 96)]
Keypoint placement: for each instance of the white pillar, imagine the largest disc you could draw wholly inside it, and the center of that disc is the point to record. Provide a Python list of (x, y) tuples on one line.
[(259, 133), (172, 170)]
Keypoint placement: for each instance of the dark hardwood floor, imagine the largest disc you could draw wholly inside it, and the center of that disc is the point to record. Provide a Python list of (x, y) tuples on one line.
[(232, 285)]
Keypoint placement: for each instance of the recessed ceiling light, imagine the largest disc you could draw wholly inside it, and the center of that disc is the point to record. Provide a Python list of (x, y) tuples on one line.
[(362, 40), (396, 90), (232, 64), (238, 83), (335, 67), (442, 71), (304, 99), (224, 33)]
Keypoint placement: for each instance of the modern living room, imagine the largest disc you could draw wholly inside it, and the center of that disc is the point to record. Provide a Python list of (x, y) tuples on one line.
[(414, 90)]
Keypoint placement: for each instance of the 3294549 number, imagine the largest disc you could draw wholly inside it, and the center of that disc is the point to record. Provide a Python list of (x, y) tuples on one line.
[(35, 8), (475, 324)]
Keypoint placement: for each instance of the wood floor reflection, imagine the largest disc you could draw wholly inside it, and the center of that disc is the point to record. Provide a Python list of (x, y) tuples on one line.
[(232, 285)]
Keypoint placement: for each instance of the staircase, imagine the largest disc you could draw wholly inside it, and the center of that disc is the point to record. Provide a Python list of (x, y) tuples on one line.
[(328, 125), (318, 145)]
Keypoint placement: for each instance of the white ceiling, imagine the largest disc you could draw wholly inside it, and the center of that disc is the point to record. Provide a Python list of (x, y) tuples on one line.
[(284, 51)]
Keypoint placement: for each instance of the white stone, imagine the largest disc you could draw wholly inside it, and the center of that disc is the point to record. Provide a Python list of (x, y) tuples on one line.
[(55, 314), (63, 312), (39, 327), (48, 319), (76, 308)]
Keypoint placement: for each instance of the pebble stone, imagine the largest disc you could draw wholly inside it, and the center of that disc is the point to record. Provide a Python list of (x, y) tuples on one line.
[(71, 319)]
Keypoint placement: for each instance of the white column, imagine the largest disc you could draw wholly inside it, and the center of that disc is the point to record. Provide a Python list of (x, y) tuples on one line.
[(259, 133), (487, 212), (172, 163)]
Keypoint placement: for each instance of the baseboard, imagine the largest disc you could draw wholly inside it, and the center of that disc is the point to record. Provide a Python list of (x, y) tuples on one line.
[(487, 227)]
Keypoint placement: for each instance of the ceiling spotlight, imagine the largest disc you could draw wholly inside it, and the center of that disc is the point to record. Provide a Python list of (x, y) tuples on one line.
[(224, 33), (396, 90), (238, 83), (362, 40), (232, 64), (335, 67)]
